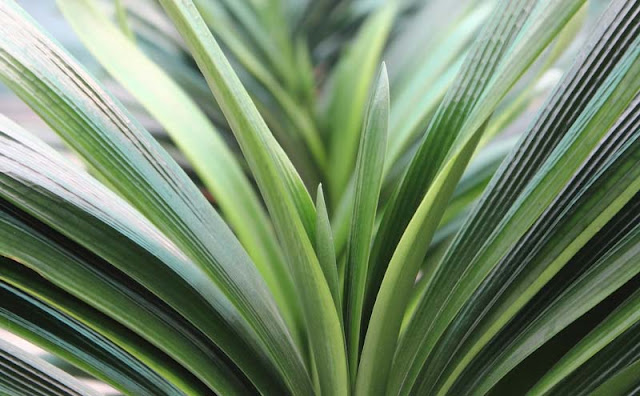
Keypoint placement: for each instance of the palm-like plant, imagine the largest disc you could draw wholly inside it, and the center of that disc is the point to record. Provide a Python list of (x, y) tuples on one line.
[(440, 260)]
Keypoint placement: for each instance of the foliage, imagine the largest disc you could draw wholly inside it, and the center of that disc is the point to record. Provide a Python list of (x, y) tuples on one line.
[(467, 236)]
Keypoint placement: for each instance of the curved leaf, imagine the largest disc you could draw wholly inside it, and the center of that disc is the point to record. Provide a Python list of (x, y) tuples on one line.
[(83, 210), (451, 289), (59, 333), (194, 135), (490, 58), (24, 374), (604, 265), (116, 295), (289, 203), (78, 109), (613, 344), (569, 223)]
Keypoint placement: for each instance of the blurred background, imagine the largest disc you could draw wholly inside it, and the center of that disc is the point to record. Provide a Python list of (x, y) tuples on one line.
[(425, 20)]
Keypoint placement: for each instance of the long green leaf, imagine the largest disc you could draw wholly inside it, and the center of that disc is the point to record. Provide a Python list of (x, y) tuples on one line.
[(195, 136), (615, 338), (393, 297), (120, 150), (422, 86), (24, 374), (476, 177), (518, 104), (300, 118), (446, 280), (277, 52), (288, 202), (549, 182), (54, 329), (608, 268), (74, 204), (574, 217), (408, 124), (368, 180), (480, 64), (241, 113), (92, 281), (420, 69), (395, 291), (574, 92), (325, 249), (471, 185), (353, 79), (623, 382)]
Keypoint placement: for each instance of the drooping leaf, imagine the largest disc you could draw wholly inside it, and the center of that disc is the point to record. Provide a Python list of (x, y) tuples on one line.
[(93, 281), (51, 319), (21, 373), (195, 136), (118, 148), (85, 211), (471, 292)]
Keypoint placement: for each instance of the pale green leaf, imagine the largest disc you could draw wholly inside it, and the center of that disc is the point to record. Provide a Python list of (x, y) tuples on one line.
[(288, 202), (353, 79), (368, 180), (196, 137), (325, 249)]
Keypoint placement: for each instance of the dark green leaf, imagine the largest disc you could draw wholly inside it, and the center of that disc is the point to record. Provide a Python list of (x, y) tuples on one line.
[(453, 288), (55, 330), (118, 148), (22, 374), (610, 347), (83, 210)]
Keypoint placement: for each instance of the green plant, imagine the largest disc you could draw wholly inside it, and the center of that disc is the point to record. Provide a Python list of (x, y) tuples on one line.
[(440, 261)]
